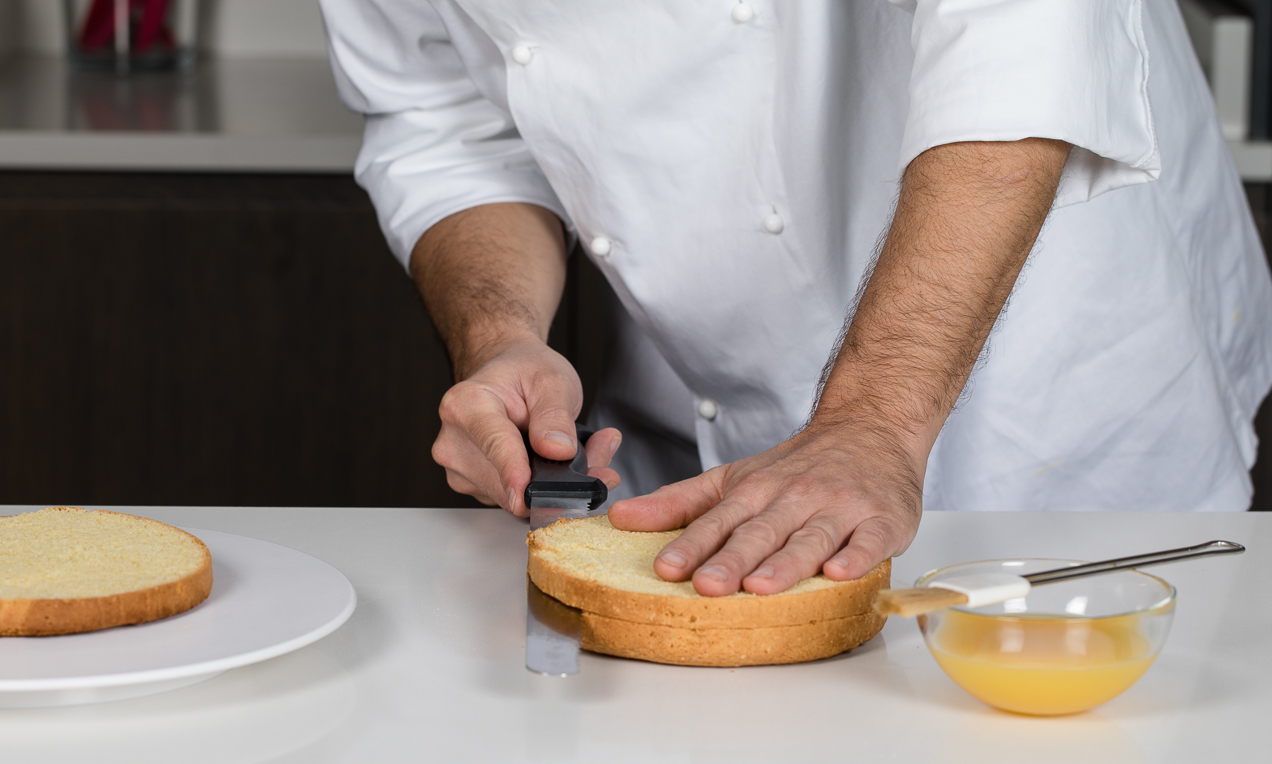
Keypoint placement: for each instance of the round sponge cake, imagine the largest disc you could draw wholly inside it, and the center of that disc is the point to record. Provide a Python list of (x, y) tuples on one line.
[(65, 570), (630, 612)]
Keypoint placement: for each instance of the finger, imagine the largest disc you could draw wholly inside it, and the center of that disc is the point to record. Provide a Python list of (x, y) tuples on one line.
[(553, 405), (485, 422), (460, 484), (872, 542), (602, 446), (805, 551), (672, 506), (685, 556), (468, 471), (751, 543), (609, 477)]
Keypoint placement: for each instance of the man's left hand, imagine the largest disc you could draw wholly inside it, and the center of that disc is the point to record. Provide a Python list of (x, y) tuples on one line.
[(765, 522)]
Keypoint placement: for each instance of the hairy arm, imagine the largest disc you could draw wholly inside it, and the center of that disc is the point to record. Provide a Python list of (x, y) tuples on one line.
[(846, 492), (490, 275), (492, 278), (966, 220)]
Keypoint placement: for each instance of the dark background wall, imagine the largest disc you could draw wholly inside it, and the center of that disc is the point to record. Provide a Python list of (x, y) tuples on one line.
[(234, 340), (219, 340)]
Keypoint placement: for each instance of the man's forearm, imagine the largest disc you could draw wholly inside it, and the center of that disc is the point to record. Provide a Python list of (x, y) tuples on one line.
[(966, 220), (490, 274)]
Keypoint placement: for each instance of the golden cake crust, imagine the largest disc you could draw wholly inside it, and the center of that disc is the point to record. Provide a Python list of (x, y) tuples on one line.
[(762, 646), (51, 616), (687, 629)]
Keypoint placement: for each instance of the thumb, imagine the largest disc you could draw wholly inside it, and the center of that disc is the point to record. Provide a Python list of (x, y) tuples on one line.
[(550, 425), (672, 506)]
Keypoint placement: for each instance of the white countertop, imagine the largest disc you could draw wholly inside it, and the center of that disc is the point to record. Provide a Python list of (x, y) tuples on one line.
[(239, 115), (430, 665)]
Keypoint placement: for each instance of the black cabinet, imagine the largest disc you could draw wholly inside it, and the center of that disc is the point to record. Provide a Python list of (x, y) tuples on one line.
[(219, 340)]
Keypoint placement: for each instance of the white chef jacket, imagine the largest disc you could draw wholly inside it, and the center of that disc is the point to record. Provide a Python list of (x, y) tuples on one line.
[(732, 165)]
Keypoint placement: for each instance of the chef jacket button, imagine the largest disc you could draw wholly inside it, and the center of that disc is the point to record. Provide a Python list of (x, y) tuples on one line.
[(742, 13), (773, 223), (522, 54), (708, 409), (601, 246)]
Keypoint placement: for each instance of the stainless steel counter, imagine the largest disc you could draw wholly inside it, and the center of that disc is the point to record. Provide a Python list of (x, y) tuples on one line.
[(429, 668), (233, 115)]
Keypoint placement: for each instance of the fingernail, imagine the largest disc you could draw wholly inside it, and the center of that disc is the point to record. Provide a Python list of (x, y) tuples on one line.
[(556, 436), (715, 571), (673, 558), (763, 572), (512, 498)]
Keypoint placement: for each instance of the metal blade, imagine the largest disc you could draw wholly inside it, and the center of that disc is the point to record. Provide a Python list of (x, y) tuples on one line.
[(552, 634), (546, 510), (557, 491), (552, 627)]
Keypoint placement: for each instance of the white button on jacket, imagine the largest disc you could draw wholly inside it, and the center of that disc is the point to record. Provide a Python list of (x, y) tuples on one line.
[(522, 54), (1126, 369), (601, 246)]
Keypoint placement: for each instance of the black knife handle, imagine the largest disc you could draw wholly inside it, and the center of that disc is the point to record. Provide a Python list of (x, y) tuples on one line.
[(564, 480)]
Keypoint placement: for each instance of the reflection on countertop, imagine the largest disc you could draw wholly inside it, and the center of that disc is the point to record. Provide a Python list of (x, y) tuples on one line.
[(233, 115)]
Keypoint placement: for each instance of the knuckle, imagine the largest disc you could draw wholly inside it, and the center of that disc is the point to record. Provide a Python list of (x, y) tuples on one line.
[(557, 382), (453, 403), (711, 524), (488, 442), (730, 559), (441, 454), (818, 537), (759, 532)]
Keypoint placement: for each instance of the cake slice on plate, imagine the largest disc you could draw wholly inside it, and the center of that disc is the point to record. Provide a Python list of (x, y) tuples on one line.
[(65, 570)]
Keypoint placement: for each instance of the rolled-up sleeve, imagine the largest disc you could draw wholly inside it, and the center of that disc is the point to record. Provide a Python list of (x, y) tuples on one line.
[(433, 145), (1004, 70)]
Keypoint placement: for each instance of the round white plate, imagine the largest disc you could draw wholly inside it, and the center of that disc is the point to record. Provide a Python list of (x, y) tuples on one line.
[(266, 600)]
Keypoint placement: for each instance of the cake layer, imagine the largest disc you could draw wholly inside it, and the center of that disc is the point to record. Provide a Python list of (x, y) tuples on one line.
[(65, 570), (590, 565), (727, 647)]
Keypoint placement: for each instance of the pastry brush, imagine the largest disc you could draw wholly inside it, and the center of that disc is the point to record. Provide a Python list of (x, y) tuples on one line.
[(989, 588)]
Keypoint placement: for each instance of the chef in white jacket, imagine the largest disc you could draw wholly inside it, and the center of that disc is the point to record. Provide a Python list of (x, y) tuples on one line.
[(814, 213)]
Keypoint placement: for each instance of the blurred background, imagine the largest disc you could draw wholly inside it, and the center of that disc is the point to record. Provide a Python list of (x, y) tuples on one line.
[(196, 304)]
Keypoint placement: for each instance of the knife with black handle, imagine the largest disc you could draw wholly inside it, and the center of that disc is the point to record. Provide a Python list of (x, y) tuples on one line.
[(557, 491)]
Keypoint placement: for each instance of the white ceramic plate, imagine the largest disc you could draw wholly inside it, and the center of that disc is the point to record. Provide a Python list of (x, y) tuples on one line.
[(266, 600)]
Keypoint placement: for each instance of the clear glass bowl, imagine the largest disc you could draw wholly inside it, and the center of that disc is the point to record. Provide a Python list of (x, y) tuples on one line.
[(1064, 648)]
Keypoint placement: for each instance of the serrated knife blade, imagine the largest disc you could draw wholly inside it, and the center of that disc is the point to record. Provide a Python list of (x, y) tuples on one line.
[(557, 491)]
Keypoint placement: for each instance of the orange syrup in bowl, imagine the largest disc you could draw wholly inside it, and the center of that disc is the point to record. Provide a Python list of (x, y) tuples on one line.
[(1066, 648), (1043, 666)]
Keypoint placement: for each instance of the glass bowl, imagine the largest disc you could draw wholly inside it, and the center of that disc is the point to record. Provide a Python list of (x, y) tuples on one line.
[(1064, 648)]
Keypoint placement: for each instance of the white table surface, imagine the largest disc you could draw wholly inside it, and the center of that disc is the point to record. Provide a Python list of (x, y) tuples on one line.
[(429, 668)]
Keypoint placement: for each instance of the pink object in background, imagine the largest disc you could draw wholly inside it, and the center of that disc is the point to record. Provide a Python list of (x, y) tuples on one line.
[(128, 35), (147, 17)]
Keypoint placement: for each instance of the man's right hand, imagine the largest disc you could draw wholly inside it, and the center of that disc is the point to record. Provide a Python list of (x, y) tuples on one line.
[(492, 278), (525, 386)]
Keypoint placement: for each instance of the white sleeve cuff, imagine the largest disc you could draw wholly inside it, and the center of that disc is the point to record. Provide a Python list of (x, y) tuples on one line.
[(1006, 70), (433, 145), (416, 176)]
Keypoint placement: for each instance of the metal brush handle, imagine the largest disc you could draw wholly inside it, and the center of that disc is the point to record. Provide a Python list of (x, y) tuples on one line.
[(1138, 561)]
